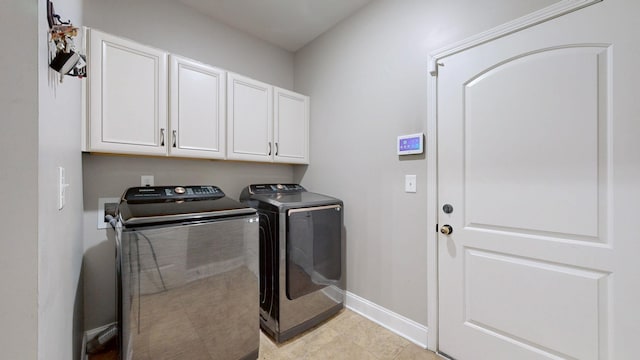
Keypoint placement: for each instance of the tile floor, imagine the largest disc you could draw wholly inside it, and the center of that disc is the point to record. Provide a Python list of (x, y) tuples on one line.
[(345, 336)]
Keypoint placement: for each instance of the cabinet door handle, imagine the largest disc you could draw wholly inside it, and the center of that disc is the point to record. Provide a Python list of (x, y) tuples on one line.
[(276, 149), (175, 136), (269, 148), (162, 137)]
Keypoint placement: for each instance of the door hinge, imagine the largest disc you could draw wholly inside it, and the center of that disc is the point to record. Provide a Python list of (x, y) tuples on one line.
[(433, 67), (437, 227)]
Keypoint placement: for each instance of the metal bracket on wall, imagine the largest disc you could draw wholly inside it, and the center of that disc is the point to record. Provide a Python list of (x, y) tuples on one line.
[(63, 57)]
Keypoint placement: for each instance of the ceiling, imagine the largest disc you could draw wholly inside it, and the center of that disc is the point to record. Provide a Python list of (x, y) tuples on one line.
[(289, 24)]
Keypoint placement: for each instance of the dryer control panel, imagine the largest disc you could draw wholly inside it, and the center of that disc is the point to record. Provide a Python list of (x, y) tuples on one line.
[(154, 194), (275, 188)]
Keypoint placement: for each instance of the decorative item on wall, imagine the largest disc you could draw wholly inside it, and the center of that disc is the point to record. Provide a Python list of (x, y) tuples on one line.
[(63, 56)]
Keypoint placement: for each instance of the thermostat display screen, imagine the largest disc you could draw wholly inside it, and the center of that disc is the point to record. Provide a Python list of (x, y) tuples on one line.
[(410, 144)]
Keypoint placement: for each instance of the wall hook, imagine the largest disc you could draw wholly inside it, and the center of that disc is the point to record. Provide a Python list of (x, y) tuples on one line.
[(64, 58)]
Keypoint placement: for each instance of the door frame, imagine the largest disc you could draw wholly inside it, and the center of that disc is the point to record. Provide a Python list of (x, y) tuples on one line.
[(553, 11)]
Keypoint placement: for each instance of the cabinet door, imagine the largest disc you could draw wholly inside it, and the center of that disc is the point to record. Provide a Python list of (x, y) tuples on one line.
[(197, 117), (250, 119), (127, 96), (291, 127)]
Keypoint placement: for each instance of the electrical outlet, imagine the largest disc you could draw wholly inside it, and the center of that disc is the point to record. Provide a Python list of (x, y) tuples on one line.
[(410, 183), (101, 202), (146, 180)]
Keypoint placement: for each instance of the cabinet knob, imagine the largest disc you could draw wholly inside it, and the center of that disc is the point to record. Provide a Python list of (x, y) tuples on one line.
[(269, 148), (276, 149), (175, 136), (162, 137)]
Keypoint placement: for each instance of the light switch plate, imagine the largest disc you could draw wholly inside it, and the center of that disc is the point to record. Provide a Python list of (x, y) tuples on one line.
[(62, 187), (146, 180), (410, 183)]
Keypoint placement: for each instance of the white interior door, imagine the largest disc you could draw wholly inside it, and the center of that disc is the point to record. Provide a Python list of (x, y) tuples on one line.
[(538, 156)]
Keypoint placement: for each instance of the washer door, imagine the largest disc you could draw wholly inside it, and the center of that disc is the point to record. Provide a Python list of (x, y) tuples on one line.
[(314, 237)]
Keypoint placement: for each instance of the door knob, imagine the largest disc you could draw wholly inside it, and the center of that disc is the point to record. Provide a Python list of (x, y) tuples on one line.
[(446, 229)]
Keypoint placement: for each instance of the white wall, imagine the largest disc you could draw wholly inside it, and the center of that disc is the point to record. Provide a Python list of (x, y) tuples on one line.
[(60, 242), (19, 181), (367, 79), (170, 26)]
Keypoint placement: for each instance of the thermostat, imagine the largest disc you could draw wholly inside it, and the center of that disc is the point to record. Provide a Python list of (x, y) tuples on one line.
[(411, 144)]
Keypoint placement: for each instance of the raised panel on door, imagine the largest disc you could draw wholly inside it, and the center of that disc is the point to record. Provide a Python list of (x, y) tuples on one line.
[(249, 120), (543, 306), (530, 143), (197, 103), (291, 127), (532, 128), (128, 96)]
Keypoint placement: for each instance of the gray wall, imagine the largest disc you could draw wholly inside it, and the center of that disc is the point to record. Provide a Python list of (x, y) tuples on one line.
[(41, 251), (170, 26), (367, 82), (109, 176), (19, 181), (60, 242), (367, 79)]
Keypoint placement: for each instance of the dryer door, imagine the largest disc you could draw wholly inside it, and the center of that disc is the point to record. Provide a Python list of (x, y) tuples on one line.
[(314, 237)]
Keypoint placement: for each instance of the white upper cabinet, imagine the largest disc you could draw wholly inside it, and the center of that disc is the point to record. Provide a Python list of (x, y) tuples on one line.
[(143, 101), (197, 104), (249, 119), (266, 123), (291, 127), (127, 105)]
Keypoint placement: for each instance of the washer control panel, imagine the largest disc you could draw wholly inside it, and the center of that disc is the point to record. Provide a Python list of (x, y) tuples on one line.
[(275, 188), (153, 194)]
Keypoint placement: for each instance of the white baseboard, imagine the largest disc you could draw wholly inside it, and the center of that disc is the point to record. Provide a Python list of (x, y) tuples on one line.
[(407, 328), (89, 335), (83, 352)]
